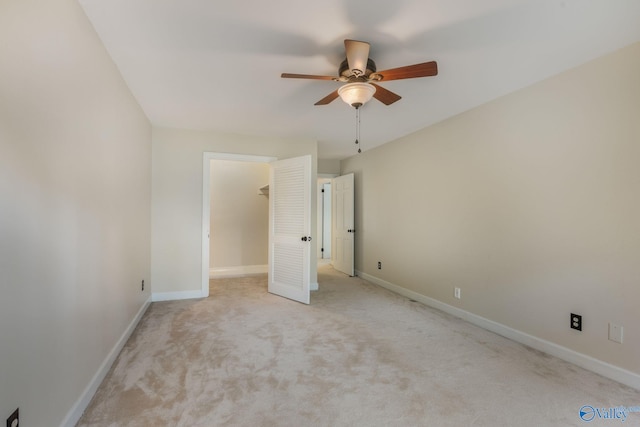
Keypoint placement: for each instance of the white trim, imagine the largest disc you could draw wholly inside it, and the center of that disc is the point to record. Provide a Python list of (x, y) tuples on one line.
[(328, 176), (206, 207), (238, 271), (313, 286), (76, 411), (174, 296), (605, 369)]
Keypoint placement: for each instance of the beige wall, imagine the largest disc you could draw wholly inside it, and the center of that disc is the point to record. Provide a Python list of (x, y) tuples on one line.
[(176, 242), (328, 166), (239, 214), (530, 204), (75, 168)]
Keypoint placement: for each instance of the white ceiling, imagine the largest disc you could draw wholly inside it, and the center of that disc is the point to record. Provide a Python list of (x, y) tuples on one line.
[(216, 65)]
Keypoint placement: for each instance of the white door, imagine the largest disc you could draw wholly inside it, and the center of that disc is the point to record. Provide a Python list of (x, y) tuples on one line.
[(290, 228), (342, 218)]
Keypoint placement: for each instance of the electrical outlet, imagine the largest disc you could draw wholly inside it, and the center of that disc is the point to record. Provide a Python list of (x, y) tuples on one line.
[(615, 333), (576, 322), (14, 419), (457, 293), (379, 265), (143, 284)]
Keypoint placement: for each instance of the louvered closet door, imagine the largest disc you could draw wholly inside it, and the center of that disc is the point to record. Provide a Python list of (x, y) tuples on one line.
[(290, 228)]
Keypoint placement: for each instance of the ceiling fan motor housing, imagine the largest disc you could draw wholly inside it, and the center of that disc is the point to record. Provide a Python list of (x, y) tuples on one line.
[(345, 71)]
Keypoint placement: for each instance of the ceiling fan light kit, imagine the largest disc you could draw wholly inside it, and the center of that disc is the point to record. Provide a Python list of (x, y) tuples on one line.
[(356, 94)]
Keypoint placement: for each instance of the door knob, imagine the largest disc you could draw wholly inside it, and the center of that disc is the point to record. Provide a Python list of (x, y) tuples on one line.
[(304, 239)]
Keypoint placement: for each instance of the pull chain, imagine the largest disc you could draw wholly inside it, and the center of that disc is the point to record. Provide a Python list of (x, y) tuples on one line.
[(358, 129)]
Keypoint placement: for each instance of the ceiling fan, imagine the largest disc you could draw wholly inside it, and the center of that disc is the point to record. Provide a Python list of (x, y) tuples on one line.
[(359, 73)]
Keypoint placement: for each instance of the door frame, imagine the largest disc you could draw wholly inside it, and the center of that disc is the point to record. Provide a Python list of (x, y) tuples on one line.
[(206, 203)]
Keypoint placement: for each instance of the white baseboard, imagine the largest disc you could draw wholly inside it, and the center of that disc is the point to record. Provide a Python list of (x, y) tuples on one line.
[(587, 362), (238, 271), (173, 296), (73, 416), (313, 286)]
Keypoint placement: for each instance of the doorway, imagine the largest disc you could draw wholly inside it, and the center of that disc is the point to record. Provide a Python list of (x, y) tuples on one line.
[(324, 218), (239, 221), (206, 205)]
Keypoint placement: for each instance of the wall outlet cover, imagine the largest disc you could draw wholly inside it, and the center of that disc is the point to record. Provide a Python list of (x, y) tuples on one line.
[(14, 419), (576, 322)]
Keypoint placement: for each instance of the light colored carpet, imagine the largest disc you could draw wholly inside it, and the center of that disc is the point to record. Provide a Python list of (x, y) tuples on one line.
[(359, 355)]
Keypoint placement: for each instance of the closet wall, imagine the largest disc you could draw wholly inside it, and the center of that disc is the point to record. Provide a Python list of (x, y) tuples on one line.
[(239, 217)]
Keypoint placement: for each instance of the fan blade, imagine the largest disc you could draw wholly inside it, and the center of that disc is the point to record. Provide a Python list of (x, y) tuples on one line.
[(426, 69), (384, 95), (357, 56), (327, 99), (305, 76)]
